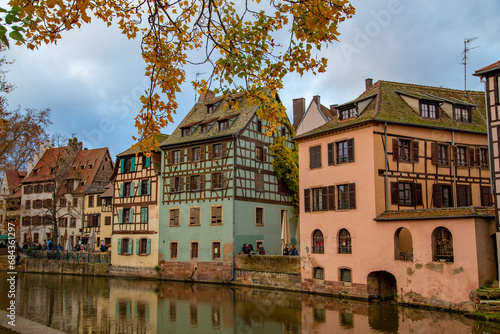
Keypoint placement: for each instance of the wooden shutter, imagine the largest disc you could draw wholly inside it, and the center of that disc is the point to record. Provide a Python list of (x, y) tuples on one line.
[(148, 162), (189, 157), (122, 166), (324, 198), (331, 198), (478, 157), (131, 216), (352, 196), (307, 200), (418, 194), (435, 153), (149, 187), (395, 149), (461, 196), (169, 157), (202, 154), (414, 147), (130, 246), (437, 195), (181, 184), (139, 188), (210, 149), (119, 249), (350, 150), (202, 182), (132, 164), (132, 189), (223, 180), (394, 193), (485, 196), (454, 148), (182, 153), (137, 246), (122, 189), (471, 156), (264, 154), (148, 251), (224, 151), (331, 156), (311, 158), (188, 183), (120, 216), (172, 184)]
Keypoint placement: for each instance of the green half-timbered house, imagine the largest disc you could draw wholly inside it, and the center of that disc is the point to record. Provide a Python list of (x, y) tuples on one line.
[(219, 191)]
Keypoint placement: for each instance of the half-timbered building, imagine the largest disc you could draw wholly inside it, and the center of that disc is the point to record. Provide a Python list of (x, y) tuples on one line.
[(135, 208), (10, 203), (395, 196), (219, 190)]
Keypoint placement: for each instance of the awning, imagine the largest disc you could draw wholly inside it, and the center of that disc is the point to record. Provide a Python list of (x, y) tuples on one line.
[(4, 237)]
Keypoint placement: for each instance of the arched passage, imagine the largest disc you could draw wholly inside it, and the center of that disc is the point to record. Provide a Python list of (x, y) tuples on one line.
[(382, 284)]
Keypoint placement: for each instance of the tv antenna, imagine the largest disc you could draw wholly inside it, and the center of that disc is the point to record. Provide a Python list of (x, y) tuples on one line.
[(197, 75), (464, 58)]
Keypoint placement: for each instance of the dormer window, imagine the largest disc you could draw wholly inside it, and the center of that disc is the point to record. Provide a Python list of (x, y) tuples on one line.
[(223, 125), (429, 109), (204, 128), (35, 171), (210, 108), (185, 132), (463, 114), (347, 113)]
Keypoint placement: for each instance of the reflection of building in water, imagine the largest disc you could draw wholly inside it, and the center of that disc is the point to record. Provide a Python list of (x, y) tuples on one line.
[(133, 306)]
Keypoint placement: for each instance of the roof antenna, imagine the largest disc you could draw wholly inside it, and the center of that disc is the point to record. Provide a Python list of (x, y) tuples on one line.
[(197, 75), (464, 58)]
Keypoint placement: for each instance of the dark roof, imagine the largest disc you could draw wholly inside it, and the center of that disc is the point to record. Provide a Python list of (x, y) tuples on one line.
[(442, 213), (109, 191), (14, 179), (198, 114), (489, 68), (387, 105), (134, 149), (81, 168)]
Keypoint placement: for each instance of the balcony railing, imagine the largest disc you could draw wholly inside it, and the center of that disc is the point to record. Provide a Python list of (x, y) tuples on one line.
[(74, 257)]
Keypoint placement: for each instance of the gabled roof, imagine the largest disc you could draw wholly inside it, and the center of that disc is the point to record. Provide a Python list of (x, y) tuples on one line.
[(13, 179), (199, 114), (134, 149), (85, 167), (42, 170), (109, 191), (489, 68), (388, 105)]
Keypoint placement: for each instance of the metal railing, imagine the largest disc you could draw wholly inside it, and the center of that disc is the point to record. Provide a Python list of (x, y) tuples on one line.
[(75, 257)]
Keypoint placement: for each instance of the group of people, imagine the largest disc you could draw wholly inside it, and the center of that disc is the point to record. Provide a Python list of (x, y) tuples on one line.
[(290, 251), (248, 250)]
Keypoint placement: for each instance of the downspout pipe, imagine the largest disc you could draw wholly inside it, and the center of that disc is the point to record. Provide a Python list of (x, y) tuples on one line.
[(455, 200), (233, 270), (386, 170)]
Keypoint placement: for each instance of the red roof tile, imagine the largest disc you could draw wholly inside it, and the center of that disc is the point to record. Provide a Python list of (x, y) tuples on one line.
[(489, 68), (85, 167), (42, 170), (14, 178)]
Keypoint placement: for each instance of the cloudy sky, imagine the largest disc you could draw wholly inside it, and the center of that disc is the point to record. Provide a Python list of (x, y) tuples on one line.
[(92, 79)]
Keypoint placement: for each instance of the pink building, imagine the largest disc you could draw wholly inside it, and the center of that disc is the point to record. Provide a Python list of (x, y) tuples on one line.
[(395, 197)]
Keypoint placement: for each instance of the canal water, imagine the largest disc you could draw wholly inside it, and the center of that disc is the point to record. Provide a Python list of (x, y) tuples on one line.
[(77, 304)]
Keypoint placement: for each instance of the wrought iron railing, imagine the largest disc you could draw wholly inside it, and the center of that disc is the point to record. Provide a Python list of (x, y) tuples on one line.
[(75, 257)]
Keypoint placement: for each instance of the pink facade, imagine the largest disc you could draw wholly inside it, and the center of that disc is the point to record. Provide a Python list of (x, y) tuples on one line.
[(391, 208)]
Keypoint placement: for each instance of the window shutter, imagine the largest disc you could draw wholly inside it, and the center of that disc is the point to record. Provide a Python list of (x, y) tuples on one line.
[(224, 180), (395, 149), (137, 246), (131, 217), (264, 154), (169, 157), (202, 182), (352, 196), (485, 196), (202, 155), (172, 184), (418, 194), (148, 251), (149, 187), (461, 196), (182, 154), (331, 198), (122, 166), (130, 246), (324, 198), (415, 150), (307, 200), (132, 164), (437, 195), (148, 162), (119, 248), (121, 190), (188, 180), (139, 188), (471, 156), (132, 189), (454, 155), (331, 157), (478, 157), (209, 152), (120, 216), (189, 154), (435, 153), (181, 184), (350, 150), (394, 193), (224, 151)]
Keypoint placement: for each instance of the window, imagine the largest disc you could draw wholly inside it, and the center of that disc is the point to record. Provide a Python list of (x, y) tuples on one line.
[(442, 195), (259, 216), (497, 89), (196, 154), (443, 155), (259, 126), (347, 113), (429, 109), (127, 217), (127, 189), (442, 245), (283, 131), (62, 202), (174, 217), (49, 187), (27, 204), (144, 187), (173, 250), (194, 250), (217, 151), (204, 128), (194, 216), (146, 161), (35, 238), (63, 222), (346, 196), (460, 156), (404, 150), (93, 220), (91, 201), (39, 188), (482, 157), (144, 215), (403, 245), (406, 193), (259, 153), (127, 165), (464, 195), (463, 114), (37, 204), (176, 184), (223, 125), (210, 108), (215, 250), (195, 183), (176, 157), (185, 132), (259, 182), (217, 181), (126, 245), (107, 241), (143, 247), (318, 273), (345, 275), (486, 196), (216, 215), (344, 242), (318, 246), (75, 202), (315, 157), (72, 222), (107, 220), (345, 151), (317, 195), (28, 189)]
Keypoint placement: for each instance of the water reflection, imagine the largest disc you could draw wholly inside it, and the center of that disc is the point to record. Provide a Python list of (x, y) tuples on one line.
[(77, 304)]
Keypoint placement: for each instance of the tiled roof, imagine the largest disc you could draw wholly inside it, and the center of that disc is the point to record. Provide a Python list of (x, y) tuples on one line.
[(109, 191), (198, 114), (42, 170), (134, 148), (489, 68), (14, 178), (471, 211), (85, 167), (389, 106)]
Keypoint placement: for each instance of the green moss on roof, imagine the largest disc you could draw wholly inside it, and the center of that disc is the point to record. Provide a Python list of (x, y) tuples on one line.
[(389, 106), (487, 212), (134, 149)]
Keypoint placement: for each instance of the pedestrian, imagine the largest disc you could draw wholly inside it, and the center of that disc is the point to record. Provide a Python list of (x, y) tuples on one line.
[(261, 250), (293, 250), (244, 250), (286, 250)]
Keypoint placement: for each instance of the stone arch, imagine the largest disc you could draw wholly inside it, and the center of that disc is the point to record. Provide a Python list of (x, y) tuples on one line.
[(382, 284)]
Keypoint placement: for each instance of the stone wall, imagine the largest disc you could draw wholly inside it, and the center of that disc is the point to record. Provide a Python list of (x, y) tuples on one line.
[(217, 272), (64, 267)]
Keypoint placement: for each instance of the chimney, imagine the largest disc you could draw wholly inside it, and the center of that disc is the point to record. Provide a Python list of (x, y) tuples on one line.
[(333, 109), (368, 83), (206, 96), (316, 100), (299, 109), (74, 145)]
